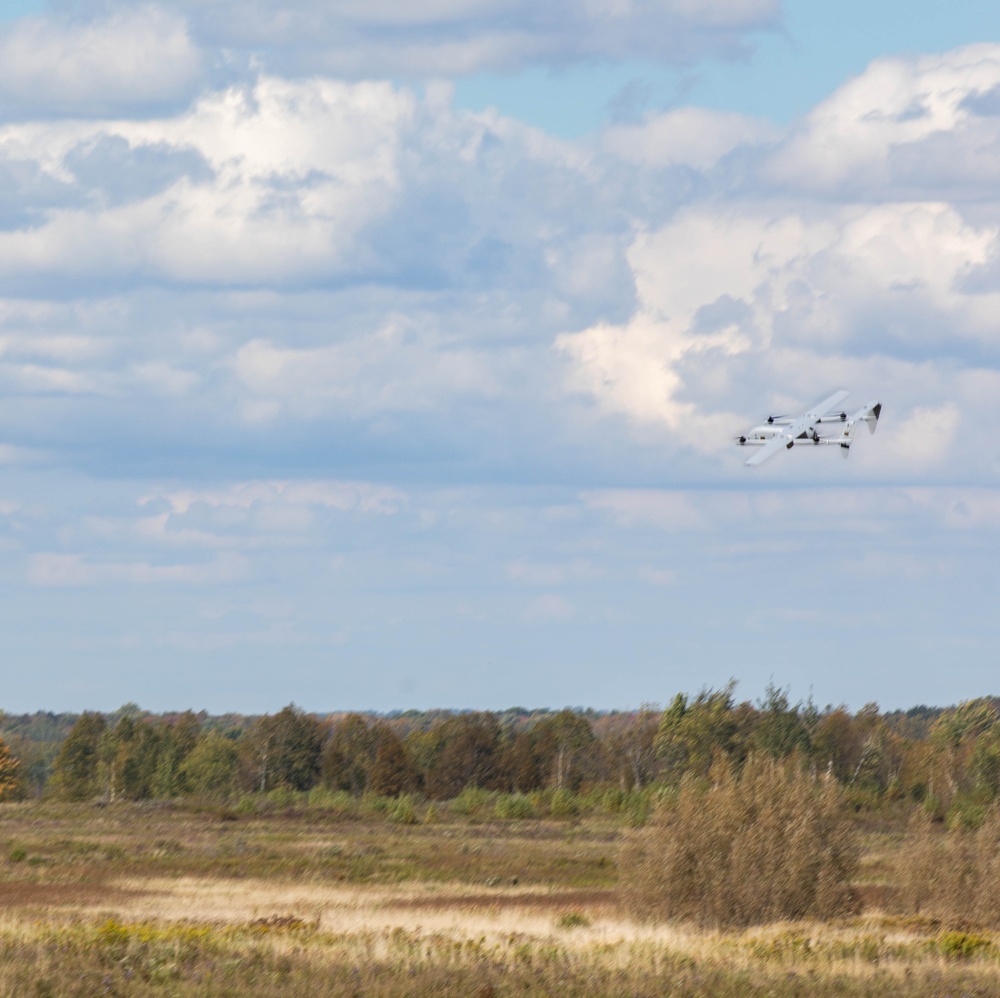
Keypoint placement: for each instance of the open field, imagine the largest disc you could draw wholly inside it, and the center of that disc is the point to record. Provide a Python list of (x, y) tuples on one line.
[(133, 900)]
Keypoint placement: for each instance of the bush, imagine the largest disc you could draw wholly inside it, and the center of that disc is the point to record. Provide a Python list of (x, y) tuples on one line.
[(950, 875), (404, 812), (962, 945), (339, 801), (471, 801), (514, 807), (774, 843), (563, 804)]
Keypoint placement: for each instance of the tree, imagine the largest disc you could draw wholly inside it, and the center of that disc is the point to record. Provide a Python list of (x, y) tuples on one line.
[(692, 733), (780, 729), (75, 772), (391, 772), (349, 755), (128, 754), (11, 785), (466, 755), (286, 748), (210, 767), (178, 737), (520, 763), (632, 749), (564, 739)]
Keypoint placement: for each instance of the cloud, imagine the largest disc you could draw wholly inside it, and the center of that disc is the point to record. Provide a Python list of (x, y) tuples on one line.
[(74, 570), (364, 497), (308, 270), (128, 61), (731, 294), (686, 136), (902, 129), (453, 37), (549, 608), (530, 573), (119, 172)]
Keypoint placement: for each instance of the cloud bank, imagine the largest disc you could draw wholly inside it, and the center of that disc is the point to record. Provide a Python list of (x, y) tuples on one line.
[(307, 356)]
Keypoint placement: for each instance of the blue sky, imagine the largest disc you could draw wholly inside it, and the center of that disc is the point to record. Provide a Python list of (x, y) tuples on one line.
[(370, 356), (792, 62)]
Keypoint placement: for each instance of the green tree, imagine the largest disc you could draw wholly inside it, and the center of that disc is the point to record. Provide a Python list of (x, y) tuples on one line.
[(178, 737), (209, 769), (75, 772), (564, 742), (349, 755), (128, 754), (780, 729), (692, 733), (286, 748)]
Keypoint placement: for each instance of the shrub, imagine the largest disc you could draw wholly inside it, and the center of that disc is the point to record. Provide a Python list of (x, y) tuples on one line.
[(514, 807), (404, 813), (563, 804), (247, 804), (962, 945), (470, 801), (613, 800), (377, 805), (950, 875), (966, 812), (772, 843)]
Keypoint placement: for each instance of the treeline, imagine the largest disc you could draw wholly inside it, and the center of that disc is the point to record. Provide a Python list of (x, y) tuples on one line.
[(948, 759)]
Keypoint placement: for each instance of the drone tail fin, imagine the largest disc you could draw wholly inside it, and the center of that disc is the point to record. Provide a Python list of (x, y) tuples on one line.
[(872, 411), (868, 414)]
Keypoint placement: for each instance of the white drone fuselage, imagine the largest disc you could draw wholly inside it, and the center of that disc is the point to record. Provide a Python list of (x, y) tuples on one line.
[(823, 424)]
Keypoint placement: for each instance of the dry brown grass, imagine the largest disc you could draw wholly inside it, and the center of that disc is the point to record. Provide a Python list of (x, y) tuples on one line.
[(133, 902)]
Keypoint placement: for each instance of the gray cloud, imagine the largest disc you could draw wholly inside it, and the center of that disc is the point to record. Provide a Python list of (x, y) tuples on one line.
[(449, 38), (121, 173)]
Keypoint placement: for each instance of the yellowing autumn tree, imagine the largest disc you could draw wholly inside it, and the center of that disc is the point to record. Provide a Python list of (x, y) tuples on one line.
[(10, 777)]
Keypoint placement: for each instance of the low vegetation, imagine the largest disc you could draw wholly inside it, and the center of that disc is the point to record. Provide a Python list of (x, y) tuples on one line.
[(300, 897), (714, 847)]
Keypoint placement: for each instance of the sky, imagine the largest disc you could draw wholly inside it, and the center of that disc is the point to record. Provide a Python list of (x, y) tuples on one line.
[(370, 356)]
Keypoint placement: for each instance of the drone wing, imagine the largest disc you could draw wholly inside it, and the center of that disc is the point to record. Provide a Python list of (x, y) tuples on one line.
[(761, 454), (786, 439), (825, 407)]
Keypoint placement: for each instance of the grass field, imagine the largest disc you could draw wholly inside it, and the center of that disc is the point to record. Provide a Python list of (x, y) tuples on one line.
[(139, 900)]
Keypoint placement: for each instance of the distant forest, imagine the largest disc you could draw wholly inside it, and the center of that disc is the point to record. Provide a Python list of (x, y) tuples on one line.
[(947, 758)]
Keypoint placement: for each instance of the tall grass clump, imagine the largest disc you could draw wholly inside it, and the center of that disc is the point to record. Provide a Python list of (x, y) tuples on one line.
[(770, 843), (950, 875)]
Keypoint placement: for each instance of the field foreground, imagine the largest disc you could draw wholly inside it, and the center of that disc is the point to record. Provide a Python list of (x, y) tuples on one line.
[(132, 901)]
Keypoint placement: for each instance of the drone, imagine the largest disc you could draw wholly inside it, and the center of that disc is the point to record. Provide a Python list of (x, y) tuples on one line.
[(824, 424)]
